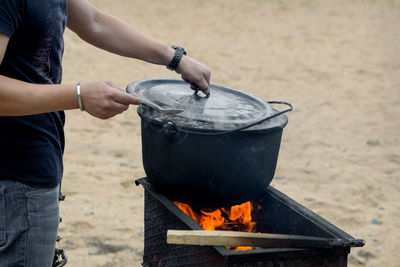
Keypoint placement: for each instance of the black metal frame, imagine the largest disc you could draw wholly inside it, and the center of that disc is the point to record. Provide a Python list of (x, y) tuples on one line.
[(161, 214)]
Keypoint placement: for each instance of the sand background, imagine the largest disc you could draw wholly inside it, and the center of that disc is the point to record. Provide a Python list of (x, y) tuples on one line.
[(337, 62)]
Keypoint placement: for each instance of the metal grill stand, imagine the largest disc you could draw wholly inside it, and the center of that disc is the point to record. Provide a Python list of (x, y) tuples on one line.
[(279, 215)]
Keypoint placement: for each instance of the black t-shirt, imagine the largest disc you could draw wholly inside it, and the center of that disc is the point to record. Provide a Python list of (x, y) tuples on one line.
[(31, 147)]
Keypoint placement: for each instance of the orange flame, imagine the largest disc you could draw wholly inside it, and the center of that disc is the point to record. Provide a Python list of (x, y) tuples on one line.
[(235, 218)]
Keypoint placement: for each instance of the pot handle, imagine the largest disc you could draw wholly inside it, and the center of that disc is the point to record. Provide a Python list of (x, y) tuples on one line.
[(196, 91), (290, 108)]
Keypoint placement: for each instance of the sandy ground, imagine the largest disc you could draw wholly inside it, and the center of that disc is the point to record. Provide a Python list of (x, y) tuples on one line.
[(337, 62)]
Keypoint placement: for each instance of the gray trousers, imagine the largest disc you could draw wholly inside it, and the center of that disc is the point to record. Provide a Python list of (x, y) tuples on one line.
[(29, 219)]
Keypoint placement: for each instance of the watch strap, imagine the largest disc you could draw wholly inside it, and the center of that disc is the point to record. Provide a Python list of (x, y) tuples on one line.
[(179, 53)]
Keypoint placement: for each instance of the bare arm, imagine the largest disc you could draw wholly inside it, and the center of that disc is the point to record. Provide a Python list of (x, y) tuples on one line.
[(100, 99), (20, 98), (3, 45), (17, 98), (109, 33)]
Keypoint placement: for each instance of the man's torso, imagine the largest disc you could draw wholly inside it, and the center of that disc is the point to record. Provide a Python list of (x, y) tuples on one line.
[(31, 147)]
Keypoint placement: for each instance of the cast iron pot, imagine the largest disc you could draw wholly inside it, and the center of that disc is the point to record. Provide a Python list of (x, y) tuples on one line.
[(208, 166)]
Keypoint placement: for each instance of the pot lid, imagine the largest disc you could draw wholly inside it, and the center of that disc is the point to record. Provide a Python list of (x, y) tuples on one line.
[(224, 109)]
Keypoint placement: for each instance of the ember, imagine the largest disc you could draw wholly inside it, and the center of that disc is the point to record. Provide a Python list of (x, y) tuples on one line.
[(235, 218)]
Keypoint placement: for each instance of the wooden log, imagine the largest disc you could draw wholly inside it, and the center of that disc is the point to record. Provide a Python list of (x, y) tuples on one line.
[(235, 239)]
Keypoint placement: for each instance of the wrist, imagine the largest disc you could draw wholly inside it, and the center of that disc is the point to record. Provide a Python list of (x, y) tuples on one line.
[(79, 97), (182, 64), (169, 55)]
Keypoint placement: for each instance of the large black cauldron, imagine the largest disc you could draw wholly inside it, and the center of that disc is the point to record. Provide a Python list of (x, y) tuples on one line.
[(200, 156)]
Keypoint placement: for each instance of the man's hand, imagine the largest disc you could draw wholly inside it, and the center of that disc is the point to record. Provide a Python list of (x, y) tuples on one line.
[(105, 99), (195, 73)]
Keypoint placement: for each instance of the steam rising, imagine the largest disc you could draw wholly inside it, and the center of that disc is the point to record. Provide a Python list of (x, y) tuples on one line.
[(225, 109)]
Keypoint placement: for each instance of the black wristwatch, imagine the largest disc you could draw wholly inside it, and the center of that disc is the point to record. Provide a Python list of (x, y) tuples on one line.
[(179, 53)]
